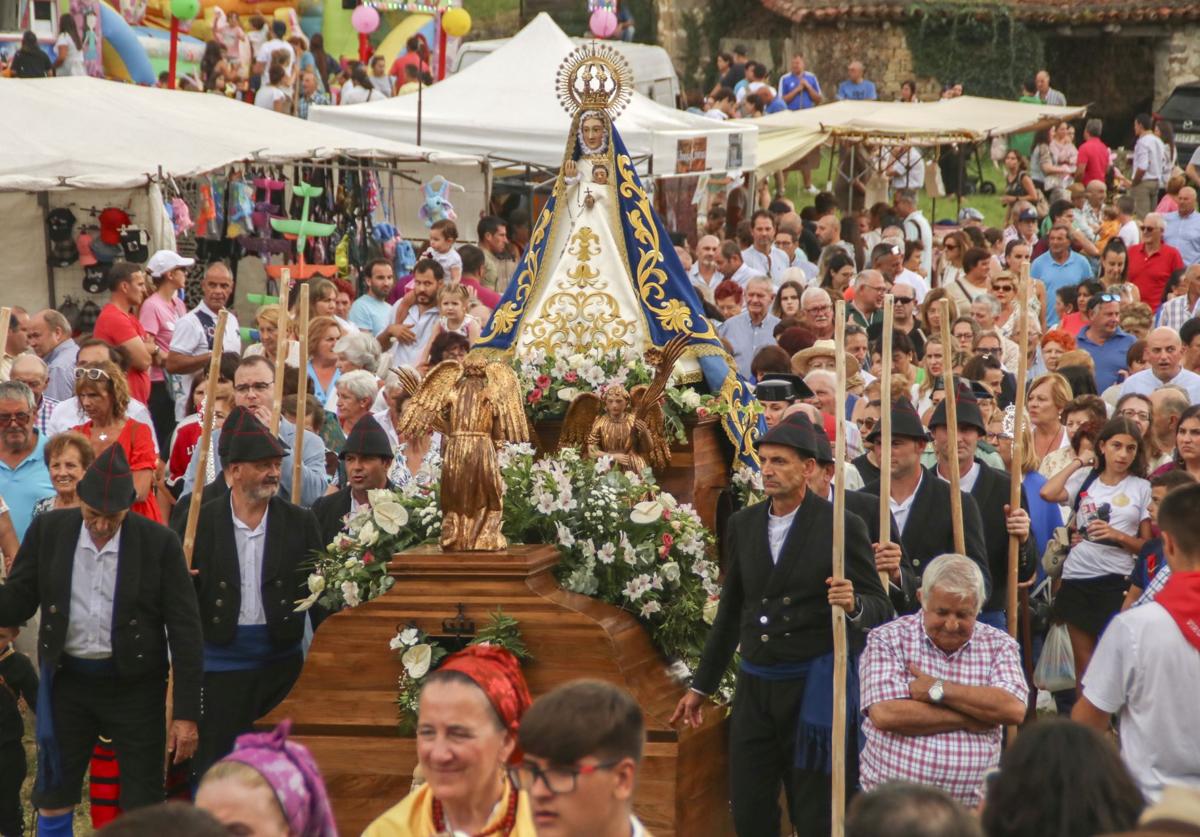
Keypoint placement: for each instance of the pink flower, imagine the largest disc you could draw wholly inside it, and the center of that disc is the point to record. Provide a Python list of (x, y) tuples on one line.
[(368, 558), (571, 377), (543, 382), (534, 396), (701, 412), (668, 540), (666, 514)]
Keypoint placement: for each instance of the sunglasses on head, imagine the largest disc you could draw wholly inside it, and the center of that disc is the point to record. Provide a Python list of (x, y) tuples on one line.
[(91, 374)]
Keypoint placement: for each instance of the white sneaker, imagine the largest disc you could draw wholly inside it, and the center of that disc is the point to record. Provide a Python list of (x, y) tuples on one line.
[(813, 190)]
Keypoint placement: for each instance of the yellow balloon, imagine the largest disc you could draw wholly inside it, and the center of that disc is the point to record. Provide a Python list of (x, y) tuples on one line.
[(456, 22)]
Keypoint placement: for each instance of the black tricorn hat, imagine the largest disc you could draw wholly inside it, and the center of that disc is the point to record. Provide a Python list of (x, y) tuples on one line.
[(367, 438), (967, 409), (249, 438), (799, 388), (795, 432), (905, 422), (107, 485)]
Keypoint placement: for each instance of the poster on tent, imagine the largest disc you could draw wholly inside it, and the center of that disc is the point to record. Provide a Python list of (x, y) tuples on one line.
[(691, 155), (87, 20)]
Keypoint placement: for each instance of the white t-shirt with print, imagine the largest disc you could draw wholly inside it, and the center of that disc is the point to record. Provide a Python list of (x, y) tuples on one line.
[(1128, 502)]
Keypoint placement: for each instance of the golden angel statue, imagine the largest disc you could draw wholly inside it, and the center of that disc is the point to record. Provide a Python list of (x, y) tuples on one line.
[(476, 405), (627, 425)]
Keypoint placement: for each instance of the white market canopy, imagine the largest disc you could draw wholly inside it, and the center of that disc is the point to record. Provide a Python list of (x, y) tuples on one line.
[(86, 133), (787, 136), (504, 106)]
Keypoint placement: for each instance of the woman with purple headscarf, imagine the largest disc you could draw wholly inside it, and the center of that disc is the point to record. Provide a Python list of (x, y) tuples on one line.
[(269, 786)]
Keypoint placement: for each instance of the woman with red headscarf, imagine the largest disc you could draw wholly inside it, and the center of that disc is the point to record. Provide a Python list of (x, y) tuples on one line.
[(467, 723)]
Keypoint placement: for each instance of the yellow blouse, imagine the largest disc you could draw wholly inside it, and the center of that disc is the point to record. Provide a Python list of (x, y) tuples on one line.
[(413, 816)]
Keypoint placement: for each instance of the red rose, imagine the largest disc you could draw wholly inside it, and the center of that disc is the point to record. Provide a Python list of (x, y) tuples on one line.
[(667, 542), (701, 412), (571, 377), (543, 381), (368, 557), (534, 396)]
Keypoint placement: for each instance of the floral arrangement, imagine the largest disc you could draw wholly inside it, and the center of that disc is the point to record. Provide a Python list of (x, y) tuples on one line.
[(353, 568), (747, 486), (552, 382), (420, 654)]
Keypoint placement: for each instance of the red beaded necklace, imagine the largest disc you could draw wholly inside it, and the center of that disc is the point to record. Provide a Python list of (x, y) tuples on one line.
[(504, 827)]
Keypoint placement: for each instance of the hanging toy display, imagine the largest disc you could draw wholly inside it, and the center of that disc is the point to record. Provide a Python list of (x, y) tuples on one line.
[(437, 206), (303, 227)]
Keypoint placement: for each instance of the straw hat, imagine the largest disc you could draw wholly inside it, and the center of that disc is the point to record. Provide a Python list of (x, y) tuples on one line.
[(822, 348)]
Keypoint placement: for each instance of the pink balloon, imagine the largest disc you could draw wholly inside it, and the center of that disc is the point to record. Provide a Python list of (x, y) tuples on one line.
[(603, 23), (365, 20)]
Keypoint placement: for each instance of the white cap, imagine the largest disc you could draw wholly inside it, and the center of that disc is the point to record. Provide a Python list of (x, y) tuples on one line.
[(165, 261)]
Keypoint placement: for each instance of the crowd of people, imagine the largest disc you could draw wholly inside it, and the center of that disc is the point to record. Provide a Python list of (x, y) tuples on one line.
[(100, 455)]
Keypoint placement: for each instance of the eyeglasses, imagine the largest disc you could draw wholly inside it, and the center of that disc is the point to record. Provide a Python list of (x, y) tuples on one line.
[(15, 418), (996, 437), (818, 309), (558, 780), (1148, 228), (1006, 289), (1135, 415), (91, 373), (261, 386), (865, 424)]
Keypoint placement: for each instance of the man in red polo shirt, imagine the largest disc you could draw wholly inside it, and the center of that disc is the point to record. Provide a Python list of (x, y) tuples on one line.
[(1093, 161), (1152, 262), (118, 325)]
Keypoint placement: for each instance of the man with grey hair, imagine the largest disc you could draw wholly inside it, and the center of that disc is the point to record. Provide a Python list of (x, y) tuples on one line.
[(754, 328), (1169, 402), (817, 309), (357, 350), (938, 686), (49, 336), (866, 308), (1094, 159), (916, 226), (704, 273), (1183, 226), (24, 478), (32, 371)]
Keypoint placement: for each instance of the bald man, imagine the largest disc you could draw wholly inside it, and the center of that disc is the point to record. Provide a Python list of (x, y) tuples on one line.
[(1183, 227), (1164, 353), (192, 343), (1168, 402), (704, 273)]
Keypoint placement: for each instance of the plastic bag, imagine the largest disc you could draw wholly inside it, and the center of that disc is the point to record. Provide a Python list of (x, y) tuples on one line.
[(1055, 671)]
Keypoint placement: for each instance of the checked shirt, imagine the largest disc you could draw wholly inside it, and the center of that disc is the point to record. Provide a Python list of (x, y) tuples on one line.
[(953, 761)]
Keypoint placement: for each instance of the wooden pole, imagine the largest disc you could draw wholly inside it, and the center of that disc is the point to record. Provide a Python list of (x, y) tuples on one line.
[(952, 428), (5, 319), (884, 451), (282, 342), (206, 421), (1018, 448), (301, 397), (838, 778)]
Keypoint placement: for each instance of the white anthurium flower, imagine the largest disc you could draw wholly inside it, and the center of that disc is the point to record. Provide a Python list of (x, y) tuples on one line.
[(375, 496), (390, 516), (368, 535), (567, 394), (316, 583), (710, 610), (409, 636), (350, 594), (647, 511), (416, 660), (305, 604)]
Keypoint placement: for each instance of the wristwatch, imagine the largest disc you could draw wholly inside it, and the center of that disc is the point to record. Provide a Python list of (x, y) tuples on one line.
[(937, 691)]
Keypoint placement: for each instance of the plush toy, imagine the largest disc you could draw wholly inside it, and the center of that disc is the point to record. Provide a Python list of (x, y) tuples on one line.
[(437, 206), (181, 216), (241, 199)]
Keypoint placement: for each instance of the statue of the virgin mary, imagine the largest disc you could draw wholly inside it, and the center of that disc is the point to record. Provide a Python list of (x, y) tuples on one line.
[(601, 271)]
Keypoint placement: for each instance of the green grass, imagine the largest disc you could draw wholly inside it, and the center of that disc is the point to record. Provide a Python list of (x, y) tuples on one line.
[(83, 811), (989, 205)]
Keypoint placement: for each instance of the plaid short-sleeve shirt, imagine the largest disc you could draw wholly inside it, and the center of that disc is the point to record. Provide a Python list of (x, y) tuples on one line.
[(953, 761)]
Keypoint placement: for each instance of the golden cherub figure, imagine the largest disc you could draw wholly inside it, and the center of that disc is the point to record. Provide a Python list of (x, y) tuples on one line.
[(624, 424), (477, 407)]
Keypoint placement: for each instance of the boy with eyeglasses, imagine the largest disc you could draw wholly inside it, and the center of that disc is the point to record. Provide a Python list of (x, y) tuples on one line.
[(583, 746)]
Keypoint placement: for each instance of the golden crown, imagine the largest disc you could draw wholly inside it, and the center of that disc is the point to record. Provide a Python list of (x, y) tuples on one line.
[(594, 77)]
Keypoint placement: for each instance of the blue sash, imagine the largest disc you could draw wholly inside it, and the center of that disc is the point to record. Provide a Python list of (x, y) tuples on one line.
[(814, 731)]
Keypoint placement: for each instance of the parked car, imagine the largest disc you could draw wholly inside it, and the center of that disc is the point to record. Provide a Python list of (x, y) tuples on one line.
[(1182, 110)]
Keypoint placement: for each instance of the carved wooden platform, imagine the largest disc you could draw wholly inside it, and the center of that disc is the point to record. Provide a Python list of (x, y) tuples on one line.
[(699, 469), (343, 706)]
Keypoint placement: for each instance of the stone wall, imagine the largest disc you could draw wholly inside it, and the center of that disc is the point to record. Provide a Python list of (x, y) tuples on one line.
[(1177, 60)]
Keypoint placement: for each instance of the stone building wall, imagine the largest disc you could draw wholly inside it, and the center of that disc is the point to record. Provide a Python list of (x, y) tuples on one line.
[(1177, 60)]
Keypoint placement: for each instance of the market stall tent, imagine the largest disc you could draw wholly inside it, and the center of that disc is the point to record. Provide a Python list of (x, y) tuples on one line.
[(504, 106), (787, 136), (84, 144)]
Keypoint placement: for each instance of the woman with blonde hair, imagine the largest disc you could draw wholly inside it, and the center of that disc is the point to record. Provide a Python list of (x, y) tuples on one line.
[(104, 398), (323, 372), (267, 320), (931, 312), (1048, 395)]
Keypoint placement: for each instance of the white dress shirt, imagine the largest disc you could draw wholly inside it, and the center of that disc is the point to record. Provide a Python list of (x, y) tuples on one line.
[(966, 483), (250, 544), (777, 530), (422, 325), (93, 585), (771, 265), (900, 510)]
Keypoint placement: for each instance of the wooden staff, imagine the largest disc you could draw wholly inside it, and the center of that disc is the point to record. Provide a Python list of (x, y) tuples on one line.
[(1015, 474), (884, 450), (838, 778), (206, 422), (301, 397), (952, 428), (281, 347), (5, 319)]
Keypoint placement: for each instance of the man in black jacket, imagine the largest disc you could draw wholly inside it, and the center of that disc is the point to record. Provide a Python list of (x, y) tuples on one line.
[(921, 502), (367, 455), (114, 592), (252, 548), (990, 489), (776, 604)]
